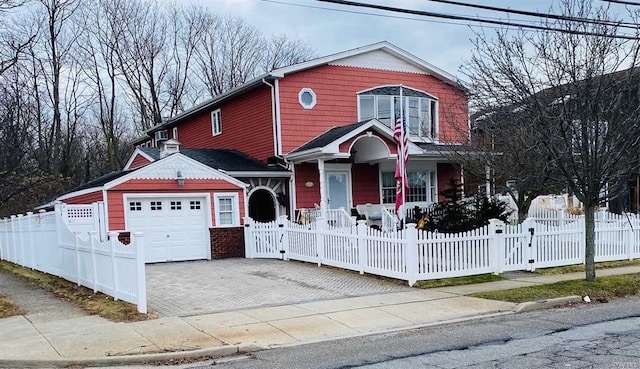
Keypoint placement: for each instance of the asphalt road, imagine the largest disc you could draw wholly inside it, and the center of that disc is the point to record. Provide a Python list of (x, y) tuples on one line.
[(587, 336)]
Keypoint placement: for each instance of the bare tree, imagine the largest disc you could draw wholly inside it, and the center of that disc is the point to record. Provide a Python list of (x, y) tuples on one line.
[(578, 95), (283, 51)]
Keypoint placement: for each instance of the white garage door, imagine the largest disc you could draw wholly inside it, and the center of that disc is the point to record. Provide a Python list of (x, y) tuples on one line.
[(174, 228)]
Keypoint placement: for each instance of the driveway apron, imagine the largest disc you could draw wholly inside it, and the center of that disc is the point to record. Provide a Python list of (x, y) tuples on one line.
[(202, 287)]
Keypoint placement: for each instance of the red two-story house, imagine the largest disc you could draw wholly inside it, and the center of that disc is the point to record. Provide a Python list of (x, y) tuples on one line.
[(318, 134)]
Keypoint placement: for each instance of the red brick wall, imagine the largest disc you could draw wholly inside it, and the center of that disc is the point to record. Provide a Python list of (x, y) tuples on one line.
[(227, 242)]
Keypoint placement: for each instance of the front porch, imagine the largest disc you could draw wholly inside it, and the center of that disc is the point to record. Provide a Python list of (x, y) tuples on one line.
[(338, 173)]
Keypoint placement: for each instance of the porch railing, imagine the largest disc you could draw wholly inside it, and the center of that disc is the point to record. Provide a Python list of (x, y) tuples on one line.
[(337, 218)]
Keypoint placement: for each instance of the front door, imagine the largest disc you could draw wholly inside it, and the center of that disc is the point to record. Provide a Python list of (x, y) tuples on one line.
[(338, 190)]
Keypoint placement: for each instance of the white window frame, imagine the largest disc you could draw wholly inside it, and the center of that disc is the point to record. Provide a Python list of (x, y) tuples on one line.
[(216, 122), (175, 133), (313, 98), (431, 121), (235, 203), (431, 189)]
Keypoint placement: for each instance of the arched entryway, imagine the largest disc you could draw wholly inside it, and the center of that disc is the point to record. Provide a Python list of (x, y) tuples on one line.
[(262, 206)]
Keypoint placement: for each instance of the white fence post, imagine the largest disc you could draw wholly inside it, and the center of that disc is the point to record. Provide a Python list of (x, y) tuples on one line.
[(284, 237), (321, 225), (582, 247), (249, 246), (113, 238), (628, 239), (14, 243), (94, 269), (31, 243), (496, 251), (361, 232), (21, 236), (137, 240), (77, 243), (411, 237)]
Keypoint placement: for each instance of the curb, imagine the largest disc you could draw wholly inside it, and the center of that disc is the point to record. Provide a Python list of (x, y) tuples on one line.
[(131, 359), (546, 304)]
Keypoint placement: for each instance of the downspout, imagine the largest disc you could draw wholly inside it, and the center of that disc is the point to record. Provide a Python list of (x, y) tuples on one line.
[(273, 116)]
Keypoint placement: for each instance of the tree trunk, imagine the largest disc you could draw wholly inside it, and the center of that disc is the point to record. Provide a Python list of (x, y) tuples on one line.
[(590, 243)]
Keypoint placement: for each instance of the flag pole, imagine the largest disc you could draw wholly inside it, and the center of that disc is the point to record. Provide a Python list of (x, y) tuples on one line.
[(403, 168)]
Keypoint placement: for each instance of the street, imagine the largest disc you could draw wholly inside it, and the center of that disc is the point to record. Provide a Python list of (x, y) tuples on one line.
[(586, 336)]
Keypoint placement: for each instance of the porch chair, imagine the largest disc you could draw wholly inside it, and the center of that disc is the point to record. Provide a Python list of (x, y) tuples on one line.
[(372, 214)]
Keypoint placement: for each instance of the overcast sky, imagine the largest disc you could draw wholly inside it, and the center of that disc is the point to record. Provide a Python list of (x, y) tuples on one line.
[(442, 43)]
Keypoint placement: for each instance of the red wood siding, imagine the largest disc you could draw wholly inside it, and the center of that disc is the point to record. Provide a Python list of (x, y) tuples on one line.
[(445, 173), (306, 197), (336, 90), (247, 126), (149, 186), (87, 198), (139, 161), (366, 184)]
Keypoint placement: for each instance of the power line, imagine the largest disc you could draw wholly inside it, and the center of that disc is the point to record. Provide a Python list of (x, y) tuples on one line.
[(622, 2), (538, 14), (477, 20), (457, 23)]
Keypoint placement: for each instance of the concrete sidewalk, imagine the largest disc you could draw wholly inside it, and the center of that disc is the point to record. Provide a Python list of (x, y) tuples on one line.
[(91, 340)]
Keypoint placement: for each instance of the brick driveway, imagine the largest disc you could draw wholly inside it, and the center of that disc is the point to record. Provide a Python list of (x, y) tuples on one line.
[(202, 287)]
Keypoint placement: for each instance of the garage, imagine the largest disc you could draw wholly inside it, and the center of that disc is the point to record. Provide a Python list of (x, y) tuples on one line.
[(175, 228)]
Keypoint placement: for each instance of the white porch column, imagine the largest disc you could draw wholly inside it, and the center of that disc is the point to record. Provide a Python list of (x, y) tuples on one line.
[(292, 192), (323, 189)]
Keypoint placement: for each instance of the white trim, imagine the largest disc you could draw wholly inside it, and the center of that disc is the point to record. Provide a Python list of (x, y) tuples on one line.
[(147, 195), (145, 171), (236, 208), (274, 197), (371, 136), (274, 127), (217, 112), (174, 133), (395, 85), (314, 98), (137, 152), (105, 201), (257, 174), (278, 117), (292, 192), (340, 168)]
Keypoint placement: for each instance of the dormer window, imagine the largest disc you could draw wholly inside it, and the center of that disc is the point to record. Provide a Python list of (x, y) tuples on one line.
[(420, 110)]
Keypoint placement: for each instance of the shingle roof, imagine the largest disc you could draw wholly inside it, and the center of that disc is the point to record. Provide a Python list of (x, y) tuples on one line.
[(329, 136), (102, 180), (229, 160)]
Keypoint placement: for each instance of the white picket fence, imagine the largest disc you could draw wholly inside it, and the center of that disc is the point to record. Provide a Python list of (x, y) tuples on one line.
[(44, 241), (413, 255)]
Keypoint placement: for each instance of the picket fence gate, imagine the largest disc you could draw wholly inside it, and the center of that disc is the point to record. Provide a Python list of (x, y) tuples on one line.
[(44, 241), (412, 255)]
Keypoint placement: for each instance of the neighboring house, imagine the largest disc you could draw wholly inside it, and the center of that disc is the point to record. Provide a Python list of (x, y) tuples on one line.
[(319, 134)]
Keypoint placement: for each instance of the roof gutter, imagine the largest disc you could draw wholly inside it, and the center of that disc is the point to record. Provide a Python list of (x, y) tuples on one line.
[(273, 116)]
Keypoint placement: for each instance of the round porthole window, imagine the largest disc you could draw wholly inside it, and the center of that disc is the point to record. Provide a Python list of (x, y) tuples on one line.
[(307, 98)]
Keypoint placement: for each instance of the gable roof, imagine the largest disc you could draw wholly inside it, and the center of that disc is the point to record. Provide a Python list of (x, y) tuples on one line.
[(336, 58), (329, 141)]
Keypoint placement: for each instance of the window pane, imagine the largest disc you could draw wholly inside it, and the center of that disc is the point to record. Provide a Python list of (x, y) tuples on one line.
[(417, 186), (388, 188), (425, 117), (384, 110), (367, 110), (226, 218), (433, 116), (413, 116), (226, 204)]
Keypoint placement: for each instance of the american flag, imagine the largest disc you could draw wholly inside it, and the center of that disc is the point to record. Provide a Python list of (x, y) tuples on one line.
[(401, 164)]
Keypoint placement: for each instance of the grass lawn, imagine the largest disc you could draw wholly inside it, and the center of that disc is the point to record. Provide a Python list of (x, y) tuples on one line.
[(603, 287), (8, 308), (580, 267), (93, 303)]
